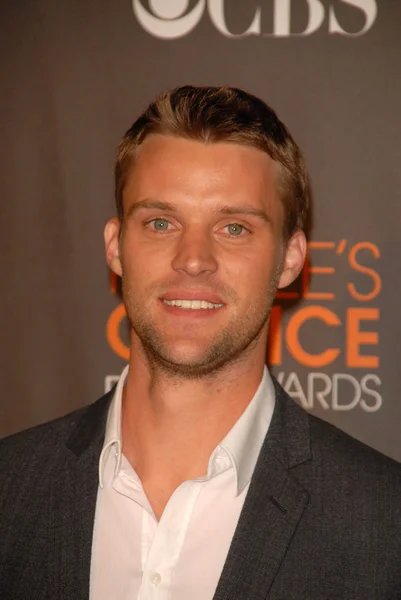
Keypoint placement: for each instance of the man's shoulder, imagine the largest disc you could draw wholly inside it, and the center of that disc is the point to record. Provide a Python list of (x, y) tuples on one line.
[(326, 453), (332, 450), (39, 442), (328, 441), (345, 470)]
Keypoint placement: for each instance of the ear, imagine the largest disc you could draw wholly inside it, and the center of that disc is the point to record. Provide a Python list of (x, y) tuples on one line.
[(294, 259), (111, 241)]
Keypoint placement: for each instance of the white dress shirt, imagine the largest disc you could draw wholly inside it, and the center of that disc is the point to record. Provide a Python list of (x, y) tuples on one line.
[(180, 557)]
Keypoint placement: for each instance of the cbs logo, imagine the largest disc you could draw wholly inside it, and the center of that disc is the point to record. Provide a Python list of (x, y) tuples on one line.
[(171, 19), (168, 19)]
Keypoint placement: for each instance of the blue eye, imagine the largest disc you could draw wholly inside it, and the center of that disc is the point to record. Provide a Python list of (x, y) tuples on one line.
[(160, 224), (235, 229)]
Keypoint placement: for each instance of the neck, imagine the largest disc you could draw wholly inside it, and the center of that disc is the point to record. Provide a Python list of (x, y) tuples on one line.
[(170, 425)]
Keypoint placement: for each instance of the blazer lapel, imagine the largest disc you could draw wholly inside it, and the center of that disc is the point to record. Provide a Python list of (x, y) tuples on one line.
[(73, 506), (272, 509)]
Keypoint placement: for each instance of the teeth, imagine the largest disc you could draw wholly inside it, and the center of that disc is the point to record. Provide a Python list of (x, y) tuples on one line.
[(192, 304)]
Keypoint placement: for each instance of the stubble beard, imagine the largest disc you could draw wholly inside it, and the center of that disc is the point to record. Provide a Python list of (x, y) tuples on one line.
[(232, 345)]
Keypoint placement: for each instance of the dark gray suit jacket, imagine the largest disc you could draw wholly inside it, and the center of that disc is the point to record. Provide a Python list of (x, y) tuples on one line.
[(322, 518)]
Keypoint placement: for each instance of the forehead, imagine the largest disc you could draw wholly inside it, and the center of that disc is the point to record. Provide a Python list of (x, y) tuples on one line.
[(165, 165)]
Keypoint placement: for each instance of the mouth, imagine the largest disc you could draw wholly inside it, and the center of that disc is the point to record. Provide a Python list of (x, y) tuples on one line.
[(193, 304)]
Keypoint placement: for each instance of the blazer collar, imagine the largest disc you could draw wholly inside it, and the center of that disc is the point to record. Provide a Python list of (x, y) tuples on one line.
[(288, 436), (90, 429), (73, 500), (273, 507)]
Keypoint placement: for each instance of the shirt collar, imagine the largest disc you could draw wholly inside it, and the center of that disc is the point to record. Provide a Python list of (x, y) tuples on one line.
[(244, 440), (112, 439), (242, 443)]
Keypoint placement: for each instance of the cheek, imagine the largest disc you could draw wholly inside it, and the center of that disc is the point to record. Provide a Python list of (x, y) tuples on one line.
[(254, 267), (132, 246), (137, 271), (146, 248), (264, 277), (143, 267), (250, 279)]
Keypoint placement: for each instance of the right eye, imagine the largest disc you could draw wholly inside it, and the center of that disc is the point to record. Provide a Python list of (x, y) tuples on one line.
[(159, 224)]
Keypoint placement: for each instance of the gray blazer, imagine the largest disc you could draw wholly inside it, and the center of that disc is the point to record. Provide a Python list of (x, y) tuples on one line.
[(322, 518)]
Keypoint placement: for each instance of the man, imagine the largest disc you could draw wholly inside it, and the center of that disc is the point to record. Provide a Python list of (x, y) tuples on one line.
[(198, 477)]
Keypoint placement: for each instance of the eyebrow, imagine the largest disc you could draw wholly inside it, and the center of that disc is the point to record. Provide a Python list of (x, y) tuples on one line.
[(246, 210), (225, 210), (149, 204)]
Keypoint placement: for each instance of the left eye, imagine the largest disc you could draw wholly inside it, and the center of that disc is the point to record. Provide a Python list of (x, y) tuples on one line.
[(235, 229), (160, 224)]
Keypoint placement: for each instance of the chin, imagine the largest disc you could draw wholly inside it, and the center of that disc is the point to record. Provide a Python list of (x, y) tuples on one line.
[(187, 356), (188, 363), (189, 371)]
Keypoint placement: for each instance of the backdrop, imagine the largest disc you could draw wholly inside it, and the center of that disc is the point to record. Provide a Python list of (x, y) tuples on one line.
[(76, 74)]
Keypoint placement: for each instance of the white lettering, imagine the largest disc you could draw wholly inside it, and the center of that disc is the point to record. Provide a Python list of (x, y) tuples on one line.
[(321, 394), (216, 12), (357, 391), (109, 382), (369, 392), (325, 390), (170, 20), (369, 9), (297, 393), (282, 18)]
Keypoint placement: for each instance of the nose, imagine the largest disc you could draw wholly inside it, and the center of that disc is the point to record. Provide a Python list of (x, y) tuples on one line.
[(195, 253)]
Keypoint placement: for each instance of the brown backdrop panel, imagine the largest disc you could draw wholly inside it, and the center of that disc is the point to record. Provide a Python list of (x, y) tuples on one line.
[(76, 73)]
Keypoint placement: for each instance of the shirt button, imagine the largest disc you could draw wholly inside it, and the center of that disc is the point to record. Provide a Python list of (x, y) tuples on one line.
[(155, 579)]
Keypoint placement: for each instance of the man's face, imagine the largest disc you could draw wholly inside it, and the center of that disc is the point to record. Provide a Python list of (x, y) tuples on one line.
[(200, 252)]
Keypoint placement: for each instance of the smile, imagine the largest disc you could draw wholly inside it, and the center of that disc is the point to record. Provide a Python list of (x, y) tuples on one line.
[(193, 304)]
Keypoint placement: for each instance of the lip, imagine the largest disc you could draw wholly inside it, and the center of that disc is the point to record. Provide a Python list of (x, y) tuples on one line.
[(192, 295)]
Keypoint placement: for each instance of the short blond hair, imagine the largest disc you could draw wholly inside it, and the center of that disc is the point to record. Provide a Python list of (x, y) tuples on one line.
[(222, 114)]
